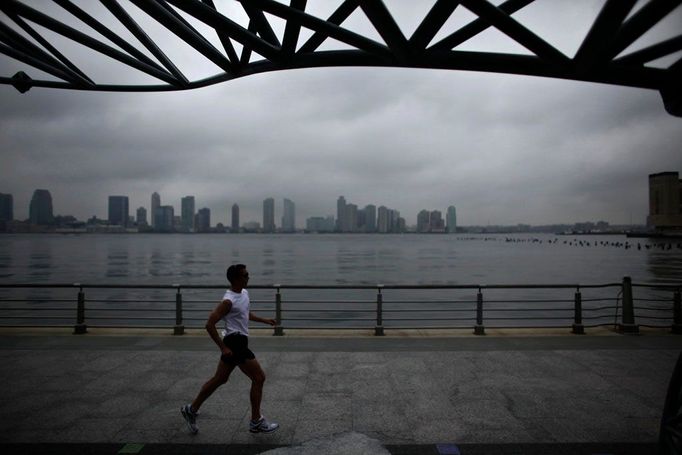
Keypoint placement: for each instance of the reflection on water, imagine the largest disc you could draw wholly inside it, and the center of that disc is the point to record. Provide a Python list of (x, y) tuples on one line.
[(665, 267)]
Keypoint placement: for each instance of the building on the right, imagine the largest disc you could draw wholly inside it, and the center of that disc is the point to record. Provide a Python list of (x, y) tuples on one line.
[(665, 201)]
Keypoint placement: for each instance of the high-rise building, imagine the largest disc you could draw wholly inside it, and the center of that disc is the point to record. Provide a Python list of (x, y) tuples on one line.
[(436, 222), (269, 215), (451, 220), (203, 220), (40, 209), (156, 203), (118, 210), (235, 218), (141, 218), (187, 211), (423, 221), (289, 217), (383, 221), (351, 218), (6, 207), (665, 201), (370, 218), (164, 218), (341, 214)]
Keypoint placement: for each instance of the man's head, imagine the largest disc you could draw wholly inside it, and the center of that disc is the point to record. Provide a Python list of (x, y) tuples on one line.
[(237, 275)]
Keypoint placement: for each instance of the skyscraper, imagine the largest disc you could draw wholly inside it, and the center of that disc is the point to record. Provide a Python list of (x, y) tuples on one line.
[(436, 222), (118, 210), (6, 207), (289, 217), (451, 219), (235, 218), (423, 221), (187, 211), (383, 220), (203, 220), (269, 215), (141, 218), (164, 218), (351, 219), (370, 218), (156, 203), (40, 210), (340, 214)]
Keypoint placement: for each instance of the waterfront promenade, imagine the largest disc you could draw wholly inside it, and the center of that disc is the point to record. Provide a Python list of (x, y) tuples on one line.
[(525, 392)]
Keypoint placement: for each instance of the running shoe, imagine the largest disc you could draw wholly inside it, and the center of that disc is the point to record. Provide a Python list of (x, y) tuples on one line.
[(190, 417), (262, 426)]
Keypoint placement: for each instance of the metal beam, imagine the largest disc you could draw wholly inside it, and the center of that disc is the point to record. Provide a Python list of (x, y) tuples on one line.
[(438, 15), (341, 14), (39, 18), (225, 40), (477, 26), (654, 52), (504, 22), (123, 16), (323, 27), (292, 30), (387, 27)]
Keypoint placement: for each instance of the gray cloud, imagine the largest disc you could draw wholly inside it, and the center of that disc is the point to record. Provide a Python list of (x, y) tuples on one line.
[(503, 149)]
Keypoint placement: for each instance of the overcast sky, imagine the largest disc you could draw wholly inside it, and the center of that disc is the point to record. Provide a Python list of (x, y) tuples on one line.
[(503, 149)]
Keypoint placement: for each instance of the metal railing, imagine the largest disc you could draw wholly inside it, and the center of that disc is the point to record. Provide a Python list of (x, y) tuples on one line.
[(378, 308)]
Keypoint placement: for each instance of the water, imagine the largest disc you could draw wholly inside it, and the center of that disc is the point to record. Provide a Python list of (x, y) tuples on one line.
[(353, 259), (333, 259)]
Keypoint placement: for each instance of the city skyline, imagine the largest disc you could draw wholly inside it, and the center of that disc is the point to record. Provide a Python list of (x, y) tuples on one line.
[(174, 211)]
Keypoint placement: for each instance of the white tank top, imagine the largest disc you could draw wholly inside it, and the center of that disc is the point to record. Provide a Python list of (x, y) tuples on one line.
[(237, 320)]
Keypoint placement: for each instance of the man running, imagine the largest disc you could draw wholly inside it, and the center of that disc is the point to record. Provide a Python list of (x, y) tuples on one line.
[(234, 348)]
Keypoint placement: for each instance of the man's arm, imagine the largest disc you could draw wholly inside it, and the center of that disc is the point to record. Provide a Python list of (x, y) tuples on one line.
[(216, 315), (253, 317)]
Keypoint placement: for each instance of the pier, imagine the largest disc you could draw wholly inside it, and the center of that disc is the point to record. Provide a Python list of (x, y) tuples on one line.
[(514, 391)]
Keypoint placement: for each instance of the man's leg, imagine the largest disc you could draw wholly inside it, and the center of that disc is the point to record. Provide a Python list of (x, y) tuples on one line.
[(222, 374), (253, 370)]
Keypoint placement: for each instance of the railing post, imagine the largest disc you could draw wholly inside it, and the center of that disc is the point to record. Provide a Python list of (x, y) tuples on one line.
[(179, 328), (279, 331), (677, 313), (379, 328), (479, 329), (578, 327), (80, 327), (628, 325)]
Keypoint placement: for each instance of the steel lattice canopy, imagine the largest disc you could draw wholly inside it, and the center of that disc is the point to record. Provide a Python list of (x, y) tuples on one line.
[(34, 35)]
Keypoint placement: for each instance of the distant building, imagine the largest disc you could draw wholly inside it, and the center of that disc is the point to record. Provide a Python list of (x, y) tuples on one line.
[(251, 226), (118, 210), (370, 224), (383, 221), (289, 217), (451, 220), (156, 203), (6, 207), (40, 209), (269, 215), (351, 218), (436, 222), (187, 212), (320, 224), (665, 201), (235, 218), (341, 214), (202, 220), (141, 217), (423, 221), (164, 218)]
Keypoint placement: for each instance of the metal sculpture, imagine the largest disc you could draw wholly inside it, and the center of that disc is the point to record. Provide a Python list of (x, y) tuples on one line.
[(599, 58)]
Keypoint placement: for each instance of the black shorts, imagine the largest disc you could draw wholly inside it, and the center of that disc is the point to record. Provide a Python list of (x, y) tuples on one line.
[(239, 345)]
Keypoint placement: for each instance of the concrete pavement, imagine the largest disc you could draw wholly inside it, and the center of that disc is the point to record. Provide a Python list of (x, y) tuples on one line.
[(584, 394)]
